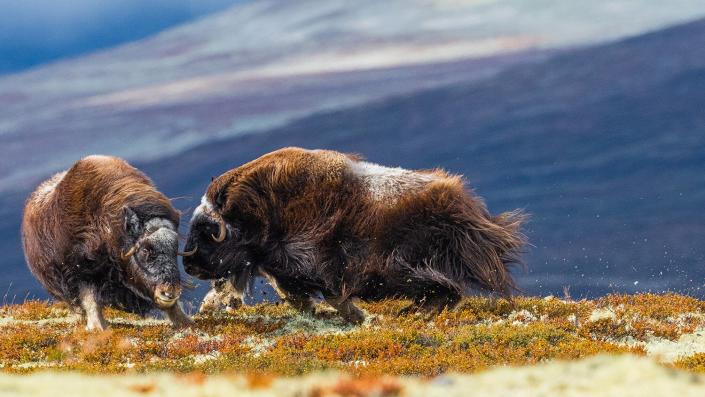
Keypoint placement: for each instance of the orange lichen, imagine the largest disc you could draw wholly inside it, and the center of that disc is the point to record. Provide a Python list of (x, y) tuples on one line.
[(36, 310), (362, 387), (696, 362), (194, 378), (653, 306), (258, 380), (143, 388)]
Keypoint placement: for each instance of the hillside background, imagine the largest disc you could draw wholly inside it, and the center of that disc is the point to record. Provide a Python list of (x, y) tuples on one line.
[(588, 116)]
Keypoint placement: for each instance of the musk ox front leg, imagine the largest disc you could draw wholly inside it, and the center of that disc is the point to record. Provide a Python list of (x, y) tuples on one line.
[(299, 300), (178, 318), (92, 309)]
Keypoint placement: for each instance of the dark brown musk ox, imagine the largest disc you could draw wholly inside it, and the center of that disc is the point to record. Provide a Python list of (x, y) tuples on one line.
[(101, 234), (323, 223)]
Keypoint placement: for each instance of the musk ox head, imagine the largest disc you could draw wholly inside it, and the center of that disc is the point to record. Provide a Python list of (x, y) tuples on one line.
[(150, 258), (216, 248)]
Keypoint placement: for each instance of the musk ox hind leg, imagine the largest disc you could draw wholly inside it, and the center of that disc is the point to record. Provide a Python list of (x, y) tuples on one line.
[(304, 304), (347, 309), (433, 303), (431, 291), (92, 309)]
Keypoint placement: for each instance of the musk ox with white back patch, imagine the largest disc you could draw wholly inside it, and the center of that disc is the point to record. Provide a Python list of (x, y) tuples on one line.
[(319, 221), (101, 234)]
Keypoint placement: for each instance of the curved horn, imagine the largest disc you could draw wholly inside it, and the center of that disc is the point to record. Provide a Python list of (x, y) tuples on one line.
[(188, 284), (222, 233), (126, 255), (189, 253)]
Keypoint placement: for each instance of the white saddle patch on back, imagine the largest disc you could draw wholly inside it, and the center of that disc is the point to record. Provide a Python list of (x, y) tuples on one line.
[(386, 183)]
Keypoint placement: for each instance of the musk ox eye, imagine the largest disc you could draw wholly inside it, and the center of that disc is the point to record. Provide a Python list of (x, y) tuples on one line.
[(220, 198), (146, 253)]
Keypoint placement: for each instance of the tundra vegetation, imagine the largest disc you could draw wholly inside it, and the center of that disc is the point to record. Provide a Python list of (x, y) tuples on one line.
[(271, 340)]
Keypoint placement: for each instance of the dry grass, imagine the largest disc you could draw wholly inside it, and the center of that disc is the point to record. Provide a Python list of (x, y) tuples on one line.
[(267, 340)]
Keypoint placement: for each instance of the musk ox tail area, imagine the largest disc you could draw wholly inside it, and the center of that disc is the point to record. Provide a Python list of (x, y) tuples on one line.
[(482, 247), (501, 240), (445, 239)]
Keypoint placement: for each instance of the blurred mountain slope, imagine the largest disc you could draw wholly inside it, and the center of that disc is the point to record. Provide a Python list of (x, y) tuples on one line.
[(36, 32), (264, 63)]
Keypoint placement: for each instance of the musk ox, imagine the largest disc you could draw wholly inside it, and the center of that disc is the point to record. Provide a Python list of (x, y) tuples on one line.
[(101, 234), (318, 222)]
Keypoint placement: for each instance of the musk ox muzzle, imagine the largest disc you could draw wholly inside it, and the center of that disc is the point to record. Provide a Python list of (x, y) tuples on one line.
[(166, 295)]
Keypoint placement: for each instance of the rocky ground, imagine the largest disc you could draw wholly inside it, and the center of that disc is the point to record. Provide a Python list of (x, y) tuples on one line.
[(621, 345)]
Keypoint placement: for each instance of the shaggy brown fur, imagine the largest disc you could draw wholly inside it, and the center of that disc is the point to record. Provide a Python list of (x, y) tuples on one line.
[(77, 225), (325, 221)]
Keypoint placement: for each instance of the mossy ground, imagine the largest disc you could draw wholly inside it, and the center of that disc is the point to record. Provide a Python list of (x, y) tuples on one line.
[(275, 340)]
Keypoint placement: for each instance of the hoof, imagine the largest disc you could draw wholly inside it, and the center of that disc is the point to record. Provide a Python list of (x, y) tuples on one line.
[(409, 310), (355, 317), (96, 327), (233, 304), (183, 323)]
